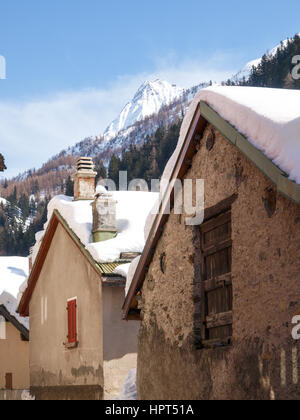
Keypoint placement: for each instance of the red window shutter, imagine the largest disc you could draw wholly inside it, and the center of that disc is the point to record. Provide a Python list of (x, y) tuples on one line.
[(72, 321)]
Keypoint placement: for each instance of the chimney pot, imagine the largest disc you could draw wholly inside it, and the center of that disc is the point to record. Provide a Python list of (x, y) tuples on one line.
[(84, 179)]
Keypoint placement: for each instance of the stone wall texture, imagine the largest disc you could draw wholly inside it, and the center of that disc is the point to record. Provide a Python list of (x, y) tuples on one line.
[(262, 362)]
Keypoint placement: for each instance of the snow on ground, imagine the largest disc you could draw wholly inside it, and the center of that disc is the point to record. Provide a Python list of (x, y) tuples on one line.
[(132, 210), (26, 396), (129, 388), (13, 272)]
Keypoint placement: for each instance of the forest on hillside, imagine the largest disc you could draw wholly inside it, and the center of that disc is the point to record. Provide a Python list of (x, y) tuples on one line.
[(276, 71), (24, 214)]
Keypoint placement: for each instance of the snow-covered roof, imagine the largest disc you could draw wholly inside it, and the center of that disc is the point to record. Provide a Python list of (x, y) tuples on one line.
[(13, 272), (132, 210), (268, 118)]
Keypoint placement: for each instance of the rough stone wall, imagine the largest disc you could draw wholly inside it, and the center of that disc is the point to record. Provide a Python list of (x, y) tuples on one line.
[(262, 362)]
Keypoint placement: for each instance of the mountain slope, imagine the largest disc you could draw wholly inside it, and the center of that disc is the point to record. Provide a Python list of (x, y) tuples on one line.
[(245, 73), (137, 120)]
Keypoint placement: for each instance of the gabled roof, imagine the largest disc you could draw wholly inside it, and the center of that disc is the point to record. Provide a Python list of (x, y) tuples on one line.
[(55, 220), (193, 127), (10, 318)]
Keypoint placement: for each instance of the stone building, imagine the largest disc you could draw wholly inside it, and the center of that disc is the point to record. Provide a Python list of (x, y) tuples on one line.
[(79, 346), (217, 300), (14, 350)]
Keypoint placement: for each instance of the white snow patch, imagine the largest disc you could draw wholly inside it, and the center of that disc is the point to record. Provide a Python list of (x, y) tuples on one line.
[(122, 270), (26, 396), (130, 274), (129, 388)]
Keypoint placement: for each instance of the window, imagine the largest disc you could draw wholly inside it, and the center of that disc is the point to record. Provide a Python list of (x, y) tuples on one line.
[(9, 381), (72, 323), (216, 282)]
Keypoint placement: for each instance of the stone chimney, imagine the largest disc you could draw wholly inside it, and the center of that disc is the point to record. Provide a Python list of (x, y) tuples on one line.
[(104, 216), (84, 179)]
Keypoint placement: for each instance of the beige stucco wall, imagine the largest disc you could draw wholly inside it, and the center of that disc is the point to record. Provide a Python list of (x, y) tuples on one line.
[(14, 358), (66, 274), (263, 362), (120, 341)]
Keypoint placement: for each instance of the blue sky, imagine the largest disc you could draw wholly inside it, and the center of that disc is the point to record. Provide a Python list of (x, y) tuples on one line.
[(73, 64)]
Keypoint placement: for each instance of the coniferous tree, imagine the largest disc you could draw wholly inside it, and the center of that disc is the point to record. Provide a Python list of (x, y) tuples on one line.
[(114, 169), (69, 187)]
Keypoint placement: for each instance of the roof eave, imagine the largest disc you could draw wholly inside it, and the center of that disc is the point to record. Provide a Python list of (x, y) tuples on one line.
[(9, 317)]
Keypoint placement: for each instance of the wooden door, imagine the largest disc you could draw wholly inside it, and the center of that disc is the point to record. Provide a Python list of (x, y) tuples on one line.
[(9, 381), (216, 247)]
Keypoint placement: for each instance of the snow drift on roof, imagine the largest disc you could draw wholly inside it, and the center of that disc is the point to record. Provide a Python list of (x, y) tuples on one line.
[(132, 210), (130, 274), (122, 270), (13, 272), (269, 118)]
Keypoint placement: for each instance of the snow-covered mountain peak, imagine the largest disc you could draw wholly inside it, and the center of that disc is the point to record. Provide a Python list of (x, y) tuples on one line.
[(148, 100)]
